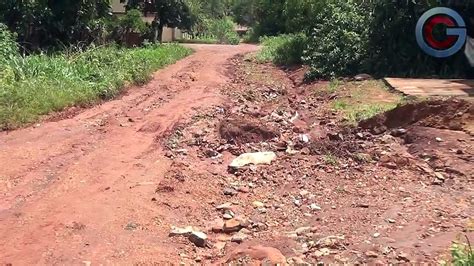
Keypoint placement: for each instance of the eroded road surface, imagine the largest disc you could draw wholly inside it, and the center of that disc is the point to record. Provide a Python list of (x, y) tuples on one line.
[(79, 189), (152, 178)]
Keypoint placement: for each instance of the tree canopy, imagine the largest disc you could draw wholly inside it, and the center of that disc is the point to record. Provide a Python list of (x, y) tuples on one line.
[(44, 23)]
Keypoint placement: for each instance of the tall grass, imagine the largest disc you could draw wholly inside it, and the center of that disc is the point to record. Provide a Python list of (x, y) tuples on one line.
[(36, 85)]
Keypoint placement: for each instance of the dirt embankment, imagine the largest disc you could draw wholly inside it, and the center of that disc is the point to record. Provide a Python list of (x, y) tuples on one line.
[(453, 114)]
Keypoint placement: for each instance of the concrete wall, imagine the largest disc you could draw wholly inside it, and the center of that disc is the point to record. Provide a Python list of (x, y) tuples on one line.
[(117, 7), (171, 34)]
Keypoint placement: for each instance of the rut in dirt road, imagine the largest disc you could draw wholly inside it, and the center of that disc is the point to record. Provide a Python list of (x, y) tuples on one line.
[(78, 189)]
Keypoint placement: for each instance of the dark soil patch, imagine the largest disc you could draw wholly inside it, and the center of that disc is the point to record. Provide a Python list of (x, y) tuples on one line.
[(452, 154), (452, 114), (241, 131), (344, 147)]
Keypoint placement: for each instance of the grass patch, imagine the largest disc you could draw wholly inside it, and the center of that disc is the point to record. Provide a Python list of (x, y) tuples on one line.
[(363, 100), (359, 112), (330, 159), (40, 84), (462, 253), (334, 85)]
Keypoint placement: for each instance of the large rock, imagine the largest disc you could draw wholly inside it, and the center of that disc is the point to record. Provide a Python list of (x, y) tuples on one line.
[(198, 238), (231, 226), (178, 231), (252, 158)]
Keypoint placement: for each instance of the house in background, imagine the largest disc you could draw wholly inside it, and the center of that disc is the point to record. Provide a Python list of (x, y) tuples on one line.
[(169, 34)]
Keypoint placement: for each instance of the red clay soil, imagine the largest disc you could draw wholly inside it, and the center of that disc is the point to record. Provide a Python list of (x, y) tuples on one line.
[(452, 114), (78, 189), (106, 185)]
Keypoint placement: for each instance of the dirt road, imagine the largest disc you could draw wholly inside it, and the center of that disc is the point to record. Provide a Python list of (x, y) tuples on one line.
[(79, 189), (106, 185)]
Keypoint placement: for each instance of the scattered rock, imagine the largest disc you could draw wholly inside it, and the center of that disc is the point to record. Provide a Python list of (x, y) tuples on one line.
[(230, 192), (211, 153), (439, 139), (131, 226), (331, 241), (177, 231), (304, 138), (439, 176), (403, 256), (363, 77), (297, 203), (398, 132), (302, 230), (362, 205), (304, 193), (217, 226), (182, 151), (371, 254), (228, 215), (243, 189), (225, 206), (314, 207), (232, 225), (376, 235), (198, 238), (258, 204), (252, 158), (335, 136), (239, 237), (220, 245), (322, 252)]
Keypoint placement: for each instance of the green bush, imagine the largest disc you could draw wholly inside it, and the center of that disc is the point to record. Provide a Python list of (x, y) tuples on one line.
[(392, 45), (462, 254), (286, 49), (36, 85), (8, 46), (223, 30), (338, 45), (250, 37)]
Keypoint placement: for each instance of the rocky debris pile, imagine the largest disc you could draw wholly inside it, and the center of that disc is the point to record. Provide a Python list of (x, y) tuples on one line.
[(284, 173)]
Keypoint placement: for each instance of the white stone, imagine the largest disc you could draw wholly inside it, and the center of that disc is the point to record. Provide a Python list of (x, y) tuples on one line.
[(253, 158)]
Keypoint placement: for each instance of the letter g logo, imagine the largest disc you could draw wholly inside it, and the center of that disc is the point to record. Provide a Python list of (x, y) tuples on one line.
[(456, 32)]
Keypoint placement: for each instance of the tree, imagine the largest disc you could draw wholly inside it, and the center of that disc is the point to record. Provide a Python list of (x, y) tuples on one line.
[(168, 13), (45, 23)]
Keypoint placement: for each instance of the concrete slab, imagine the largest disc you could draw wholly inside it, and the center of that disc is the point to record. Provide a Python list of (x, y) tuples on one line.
[(433, 87)]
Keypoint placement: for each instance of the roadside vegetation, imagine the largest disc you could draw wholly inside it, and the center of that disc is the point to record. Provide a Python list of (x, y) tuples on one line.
[(462, 253), (285, 49), (39, 84), (357, 101), (212, 23), (346, 38)]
